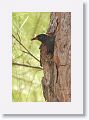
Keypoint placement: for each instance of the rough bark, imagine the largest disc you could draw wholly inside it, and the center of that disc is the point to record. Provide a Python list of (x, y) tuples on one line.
[(57, 69)]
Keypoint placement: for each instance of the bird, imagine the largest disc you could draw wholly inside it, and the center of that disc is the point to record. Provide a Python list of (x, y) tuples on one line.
[(46, 40)]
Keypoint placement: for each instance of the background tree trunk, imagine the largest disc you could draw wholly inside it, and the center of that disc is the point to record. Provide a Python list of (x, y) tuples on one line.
[(57, 70)]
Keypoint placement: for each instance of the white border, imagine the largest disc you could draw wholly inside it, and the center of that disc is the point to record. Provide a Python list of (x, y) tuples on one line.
[(76, 104)]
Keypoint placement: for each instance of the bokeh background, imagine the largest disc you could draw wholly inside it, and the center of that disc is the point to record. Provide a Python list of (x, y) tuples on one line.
[(26, 70)]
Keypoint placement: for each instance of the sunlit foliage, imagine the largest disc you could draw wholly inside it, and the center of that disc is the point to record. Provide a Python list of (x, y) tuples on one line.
[(26, 80)]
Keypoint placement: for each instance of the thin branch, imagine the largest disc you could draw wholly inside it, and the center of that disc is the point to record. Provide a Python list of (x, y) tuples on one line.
[(25, 48), (24, 65), (21, 79), (17, 57), (24, 22), (19, 37), (24, 51)]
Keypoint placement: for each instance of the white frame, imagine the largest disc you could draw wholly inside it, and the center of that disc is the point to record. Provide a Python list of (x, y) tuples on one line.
[(76, 104)]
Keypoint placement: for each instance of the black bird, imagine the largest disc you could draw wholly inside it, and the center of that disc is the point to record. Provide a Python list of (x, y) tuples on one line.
[(47, 40)]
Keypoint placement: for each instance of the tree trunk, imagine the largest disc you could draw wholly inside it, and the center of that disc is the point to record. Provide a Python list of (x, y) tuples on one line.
[(57, 69)]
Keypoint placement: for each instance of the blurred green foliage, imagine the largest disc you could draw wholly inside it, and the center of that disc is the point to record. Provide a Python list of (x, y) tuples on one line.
[(26, 81)]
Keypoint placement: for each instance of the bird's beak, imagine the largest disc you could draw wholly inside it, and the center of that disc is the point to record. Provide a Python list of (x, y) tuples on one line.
[(35, 38)]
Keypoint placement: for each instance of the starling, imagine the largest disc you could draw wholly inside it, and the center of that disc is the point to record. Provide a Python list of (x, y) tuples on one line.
[(47, 40)]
